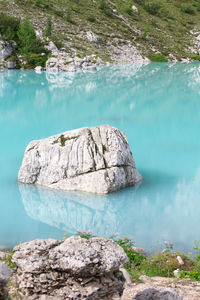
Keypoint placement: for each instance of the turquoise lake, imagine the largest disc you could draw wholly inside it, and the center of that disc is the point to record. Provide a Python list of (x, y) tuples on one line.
[(156, 105)]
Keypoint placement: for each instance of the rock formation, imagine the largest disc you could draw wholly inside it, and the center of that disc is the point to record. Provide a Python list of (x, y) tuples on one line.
[(6, 50), (76, 268), (95, 159), (60, 60), (5, 273)]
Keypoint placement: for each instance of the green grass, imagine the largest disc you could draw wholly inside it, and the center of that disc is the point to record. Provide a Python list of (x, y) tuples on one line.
[(160, 264), (157, 57)]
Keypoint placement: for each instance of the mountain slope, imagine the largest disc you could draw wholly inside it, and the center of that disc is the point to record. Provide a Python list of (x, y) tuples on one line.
[(150, 26)]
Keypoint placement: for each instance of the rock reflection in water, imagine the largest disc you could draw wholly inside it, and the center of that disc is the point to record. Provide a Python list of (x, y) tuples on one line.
[(70, 211)]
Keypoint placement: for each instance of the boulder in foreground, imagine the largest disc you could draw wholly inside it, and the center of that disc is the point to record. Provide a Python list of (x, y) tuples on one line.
[(91, 159), (76, 268)]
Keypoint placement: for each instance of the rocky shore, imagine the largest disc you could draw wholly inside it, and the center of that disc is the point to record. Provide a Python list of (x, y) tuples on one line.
[(89, 268), (69, 61)]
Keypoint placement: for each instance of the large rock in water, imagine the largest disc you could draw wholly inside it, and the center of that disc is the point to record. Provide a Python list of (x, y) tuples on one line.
[(76, 268), (91, 159)]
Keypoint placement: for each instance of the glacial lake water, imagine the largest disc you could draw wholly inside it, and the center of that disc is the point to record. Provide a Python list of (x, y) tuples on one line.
[(158, 108)]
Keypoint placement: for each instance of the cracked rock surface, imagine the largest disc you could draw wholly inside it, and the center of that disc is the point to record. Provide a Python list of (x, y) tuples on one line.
[(91, 159), (75, 268)]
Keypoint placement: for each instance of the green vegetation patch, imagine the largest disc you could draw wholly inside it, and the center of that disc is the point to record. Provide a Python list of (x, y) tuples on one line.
[(8, 259), (9, 27), (62, 139), (161, 264), (157, 57)]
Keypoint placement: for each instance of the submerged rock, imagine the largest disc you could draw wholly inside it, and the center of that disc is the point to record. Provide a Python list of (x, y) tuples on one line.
[(91, 159), (76, 268)]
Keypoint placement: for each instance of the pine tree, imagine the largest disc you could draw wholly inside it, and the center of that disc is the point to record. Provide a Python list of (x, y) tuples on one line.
[(27, 36)]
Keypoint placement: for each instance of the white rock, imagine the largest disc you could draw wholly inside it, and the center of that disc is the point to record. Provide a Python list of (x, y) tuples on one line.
[(91, 159), (51, 46), (180, 261), (38, 69), (134, 8), (176, 273), (126, 275), (92, 37)]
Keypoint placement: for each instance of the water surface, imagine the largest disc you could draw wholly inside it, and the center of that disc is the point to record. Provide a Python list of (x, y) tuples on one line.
[(158, 108)]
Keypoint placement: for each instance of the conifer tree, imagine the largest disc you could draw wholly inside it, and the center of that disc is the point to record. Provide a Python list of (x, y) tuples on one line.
[(27, 36)]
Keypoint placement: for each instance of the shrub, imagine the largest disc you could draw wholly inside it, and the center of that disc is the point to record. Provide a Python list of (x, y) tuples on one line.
[(30, 46), (35, 60), (68, 16), (128, 10), (102, 5), (58, 44), (153, 7), (144, 35), (140, 2), (135, 255), (188, 9), (91, 19), (194, 275), (157, 57), (8, 27), (194, 56), (59, 13), (38, 3)]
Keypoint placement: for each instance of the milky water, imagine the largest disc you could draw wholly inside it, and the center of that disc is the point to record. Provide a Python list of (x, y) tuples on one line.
[(158, 108)]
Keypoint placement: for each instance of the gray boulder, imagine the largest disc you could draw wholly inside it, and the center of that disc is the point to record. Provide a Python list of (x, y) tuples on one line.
[(6, 49), (5, 273), (10, 65), (92, 37), (95, 159), (76, 268), (158, 294)]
